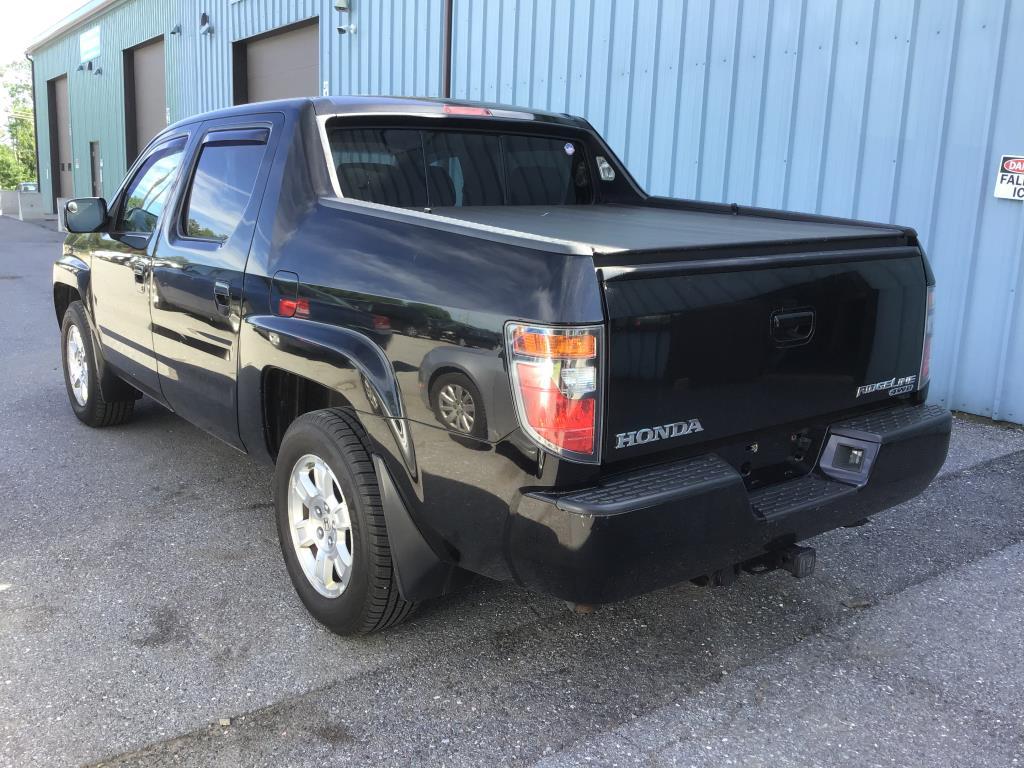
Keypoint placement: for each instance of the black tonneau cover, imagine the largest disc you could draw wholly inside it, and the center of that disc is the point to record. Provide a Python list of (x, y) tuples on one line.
[(610, 228)]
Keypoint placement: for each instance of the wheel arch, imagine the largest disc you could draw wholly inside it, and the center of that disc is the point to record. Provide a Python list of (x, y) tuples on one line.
[(323, 365), (287, 395), (70, 283), (447, 368)]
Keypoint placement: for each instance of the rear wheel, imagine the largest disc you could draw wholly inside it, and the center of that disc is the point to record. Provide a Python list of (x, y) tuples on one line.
[(331, 525), (458, 405), (81, 374)]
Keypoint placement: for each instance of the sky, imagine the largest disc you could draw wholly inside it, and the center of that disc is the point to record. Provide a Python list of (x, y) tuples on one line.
[(24, 20)]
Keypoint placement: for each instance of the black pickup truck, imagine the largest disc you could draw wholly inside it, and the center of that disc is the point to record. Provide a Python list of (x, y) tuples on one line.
[(470, 343)]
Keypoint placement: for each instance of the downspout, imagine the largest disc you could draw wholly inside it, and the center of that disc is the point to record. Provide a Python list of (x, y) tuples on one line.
[(35, 128), (446, 53)]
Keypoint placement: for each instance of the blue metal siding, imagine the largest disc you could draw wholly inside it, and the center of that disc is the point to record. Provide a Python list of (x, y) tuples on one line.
[(891, 111), (395, 50)]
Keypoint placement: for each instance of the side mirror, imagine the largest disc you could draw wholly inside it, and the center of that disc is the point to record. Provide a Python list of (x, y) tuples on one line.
[(85, 214)]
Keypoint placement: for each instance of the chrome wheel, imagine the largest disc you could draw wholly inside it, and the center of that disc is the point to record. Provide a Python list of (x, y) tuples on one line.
[(457, 408), (320, 524), (77, 365)]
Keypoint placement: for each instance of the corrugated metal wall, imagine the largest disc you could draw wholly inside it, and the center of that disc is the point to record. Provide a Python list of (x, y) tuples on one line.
[(892, 110), (895, 110), (396, 50), (97, 101)]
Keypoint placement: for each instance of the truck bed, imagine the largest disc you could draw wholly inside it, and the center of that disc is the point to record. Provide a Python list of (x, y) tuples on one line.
[(608, 228)]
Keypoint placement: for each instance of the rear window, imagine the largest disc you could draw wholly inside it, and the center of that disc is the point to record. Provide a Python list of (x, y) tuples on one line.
[(419, 169)]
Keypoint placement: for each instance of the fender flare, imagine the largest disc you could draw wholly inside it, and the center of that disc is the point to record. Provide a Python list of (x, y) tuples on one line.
[(336, 357), (335, 346), (71, 271)]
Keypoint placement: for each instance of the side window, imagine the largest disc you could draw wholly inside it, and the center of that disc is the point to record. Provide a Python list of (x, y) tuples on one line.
[(222, 184), (146, 195)]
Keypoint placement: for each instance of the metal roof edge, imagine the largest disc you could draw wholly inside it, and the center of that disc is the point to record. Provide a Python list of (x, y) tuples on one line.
[(87, 12)]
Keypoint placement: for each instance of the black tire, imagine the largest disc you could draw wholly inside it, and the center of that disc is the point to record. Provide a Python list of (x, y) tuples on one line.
[(479, 428), (371, 600), (95, 411)]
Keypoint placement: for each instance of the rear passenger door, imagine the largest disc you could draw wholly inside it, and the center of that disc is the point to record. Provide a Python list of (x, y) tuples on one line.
[(198, 268)]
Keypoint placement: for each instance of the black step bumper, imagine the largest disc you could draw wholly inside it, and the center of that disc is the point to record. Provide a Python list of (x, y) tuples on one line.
[(662, 525)]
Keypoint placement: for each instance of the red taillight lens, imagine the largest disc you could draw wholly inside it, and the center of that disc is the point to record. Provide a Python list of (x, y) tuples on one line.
[(381, 323), (556, 383), (560, 421), (926, 349), (293, 308)]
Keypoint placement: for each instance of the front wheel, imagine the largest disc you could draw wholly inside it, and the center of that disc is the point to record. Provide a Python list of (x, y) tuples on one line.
[(331, 525), (81, 374)]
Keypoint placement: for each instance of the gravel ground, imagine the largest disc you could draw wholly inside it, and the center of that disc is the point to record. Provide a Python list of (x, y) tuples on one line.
[(143, 599)]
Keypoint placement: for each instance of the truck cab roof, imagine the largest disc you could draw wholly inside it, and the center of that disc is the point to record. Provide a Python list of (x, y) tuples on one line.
[(395, 106)]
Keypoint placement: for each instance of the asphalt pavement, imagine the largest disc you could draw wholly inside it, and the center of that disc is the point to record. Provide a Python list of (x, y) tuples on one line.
[(146, 618)]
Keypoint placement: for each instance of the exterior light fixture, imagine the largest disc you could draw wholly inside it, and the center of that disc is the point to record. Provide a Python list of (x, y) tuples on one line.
[(205, 27), (344, 6)]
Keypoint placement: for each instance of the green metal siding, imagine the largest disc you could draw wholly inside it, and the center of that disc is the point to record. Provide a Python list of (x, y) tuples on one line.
[(396, 50), (97, 101)]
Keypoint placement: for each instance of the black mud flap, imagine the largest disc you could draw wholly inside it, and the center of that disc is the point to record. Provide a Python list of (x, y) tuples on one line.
[(420, 573)]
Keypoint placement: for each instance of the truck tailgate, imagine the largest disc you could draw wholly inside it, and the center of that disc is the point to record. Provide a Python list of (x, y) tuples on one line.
[(714, 347)]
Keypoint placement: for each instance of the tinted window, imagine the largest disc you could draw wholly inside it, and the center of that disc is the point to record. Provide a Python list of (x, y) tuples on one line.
[(408, 168), (147, 193), (464, 168), (382, 167), (221, 187), (545, 171)]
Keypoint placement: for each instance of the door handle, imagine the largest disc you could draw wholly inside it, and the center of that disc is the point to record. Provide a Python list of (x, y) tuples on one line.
[(140, 272), (793, 327), (222, 296)]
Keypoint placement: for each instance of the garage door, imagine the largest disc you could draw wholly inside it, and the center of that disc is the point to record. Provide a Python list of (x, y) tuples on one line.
[(60, 130), (282, 65), (149, 110)]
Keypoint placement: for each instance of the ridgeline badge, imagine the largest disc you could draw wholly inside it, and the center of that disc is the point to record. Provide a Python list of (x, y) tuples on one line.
[(898, 386)]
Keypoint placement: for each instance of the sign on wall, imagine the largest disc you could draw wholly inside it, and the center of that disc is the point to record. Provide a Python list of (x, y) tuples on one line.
[(1010, 178), (89, 44)]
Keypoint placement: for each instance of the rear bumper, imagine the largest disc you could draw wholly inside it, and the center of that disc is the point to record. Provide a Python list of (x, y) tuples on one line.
[(658, 526)]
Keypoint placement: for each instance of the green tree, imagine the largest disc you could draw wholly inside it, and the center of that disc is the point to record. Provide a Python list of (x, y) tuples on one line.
[(10, 170), (18, 147)]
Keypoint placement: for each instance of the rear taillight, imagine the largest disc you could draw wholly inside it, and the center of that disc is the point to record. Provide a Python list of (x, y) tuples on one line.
[(556, 383), (926, 349), (381, 323), (293, 308)]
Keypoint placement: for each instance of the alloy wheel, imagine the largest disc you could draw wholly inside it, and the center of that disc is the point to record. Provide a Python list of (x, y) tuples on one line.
[(320, 524), (77, 365), (457, 408)]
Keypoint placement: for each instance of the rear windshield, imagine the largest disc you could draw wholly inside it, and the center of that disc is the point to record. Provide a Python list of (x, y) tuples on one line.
[(429, 169)]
